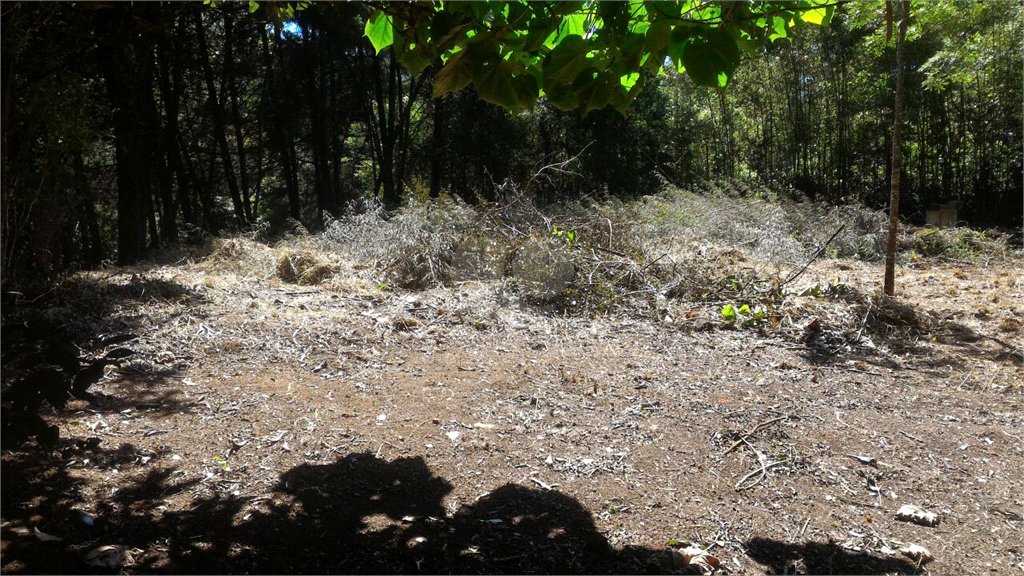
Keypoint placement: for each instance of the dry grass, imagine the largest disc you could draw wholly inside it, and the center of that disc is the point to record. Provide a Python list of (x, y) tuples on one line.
[(678, 256), (318, 397)]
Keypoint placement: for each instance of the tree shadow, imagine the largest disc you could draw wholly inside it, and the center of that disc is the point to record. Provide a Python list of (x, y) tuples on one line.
[(74, 326), (964, 337), (822, 558), (357, 515)]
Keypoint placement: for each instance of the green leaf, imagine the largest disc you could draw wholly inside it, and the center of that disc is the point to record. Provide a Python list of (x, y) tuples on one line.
[(779, 25), (567, 60), (711, 57), (599, 92), (819, 16), (412, 58), (253, 6), (657, 36), (380, 31), (563, 8), (445, 26), (629, 80), (677, 43), (662, 9), (456, 74), (574, 24), (505, 84), (614, 14), (561, 96), (729, 313)]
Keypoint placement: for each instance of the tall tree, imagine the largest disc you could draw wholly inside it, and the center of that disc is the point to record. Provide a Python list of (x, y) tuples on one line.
[(889, 286), (243, 212), (120, 55)]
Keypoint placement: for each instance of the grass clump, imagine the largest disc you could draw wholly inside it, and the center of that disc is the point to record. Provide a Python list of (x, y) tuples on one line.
[(303, 267), (956, 244), (412, 248)]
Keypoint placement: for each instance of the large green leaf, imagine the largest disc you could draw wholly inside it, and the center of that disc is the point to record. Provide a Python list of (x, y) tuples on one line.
[(507, 85), (820, 16), (657, 36), (380, 31), (456, 75), (710, 57), (599, 92), (447, 25), (416, 60), (562, 96), (567, 60), (573, 24)]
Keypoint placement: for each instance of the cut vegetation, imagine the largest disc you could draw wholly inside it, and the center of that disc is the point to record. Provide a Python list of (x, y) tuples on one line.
[(507, 389)]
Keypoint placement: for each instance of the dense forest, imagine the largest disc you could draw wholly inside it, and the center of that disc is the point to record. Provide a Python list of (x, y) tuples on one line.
[(128, 127)]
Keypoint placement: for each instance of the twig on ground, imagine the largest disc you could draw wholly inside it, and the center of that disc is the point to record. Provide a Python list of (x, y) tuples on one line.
[(543, 484), (914, 438), (871, 303), (763, 471), (754, 430), (797, 274)]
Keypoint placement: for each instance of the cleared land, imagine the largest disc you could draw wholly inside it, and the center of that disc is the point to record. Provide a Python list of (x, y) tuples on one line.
[(329, 424)]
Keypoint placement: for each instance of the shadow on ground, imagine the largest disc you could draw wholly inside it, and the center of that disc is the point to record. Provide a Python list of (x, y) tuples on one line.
[(359, 514), (73, 327), (821, 558)]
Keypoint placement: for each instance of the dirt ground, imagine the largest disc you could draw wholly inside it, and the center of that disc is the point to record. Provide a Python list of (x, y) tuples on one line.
[(265, 427)]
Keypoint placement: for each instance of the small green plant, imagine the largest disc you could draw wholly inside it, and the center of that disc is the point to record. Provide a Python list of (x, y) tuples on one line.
[(837, 288), (223, 463), (746, 316), (813, 291), (569, 236)]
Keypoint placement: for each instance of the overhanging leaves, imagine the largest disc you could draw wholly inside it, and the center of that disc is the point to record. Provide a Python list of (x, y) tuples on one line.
[(585, 54), (711, 57)]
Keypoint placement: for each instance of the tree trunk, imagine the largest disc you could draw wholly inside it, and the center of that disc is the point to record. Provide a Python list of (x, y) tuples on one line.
[(236, 116), (92, 241), (114, 29), (438, 146), (169, 153), (889, 287), (313, 66), (219, 128), (279, 135)]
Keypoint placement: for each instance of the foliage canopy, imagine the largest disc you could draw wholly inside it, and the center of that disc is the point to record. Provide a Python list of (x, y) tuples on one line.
[(580, 55)]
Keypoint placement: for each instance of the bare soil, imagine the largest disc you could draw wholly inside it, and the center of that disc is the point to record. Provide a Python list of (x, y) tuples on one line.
[(265, 427)]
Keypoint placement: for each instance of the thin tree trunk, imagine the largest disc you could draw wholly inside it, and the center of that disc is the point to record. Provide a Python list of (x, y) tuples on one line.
[(236, 116), (92, 241), (889, 287), (219, 124), (438, 145)]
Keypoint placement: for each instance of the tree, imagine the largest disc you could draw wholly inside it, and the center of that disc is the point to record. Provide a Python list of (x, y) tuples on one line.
[(889, 286)]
